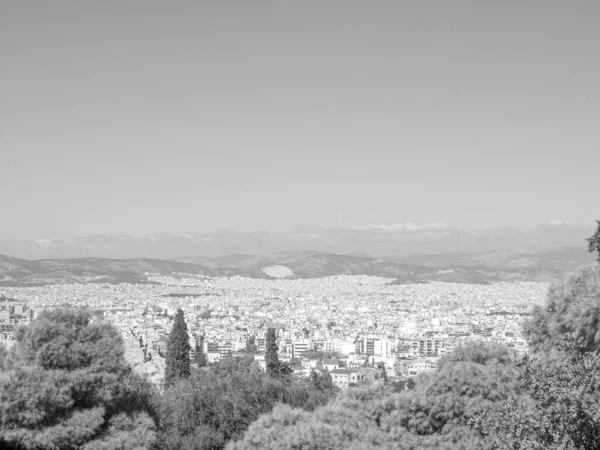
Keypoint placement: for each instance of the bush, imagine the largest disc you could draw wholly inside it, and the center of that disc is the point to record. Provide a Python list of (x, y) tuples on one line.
[(217, 405), (443, 410), (68, 386)]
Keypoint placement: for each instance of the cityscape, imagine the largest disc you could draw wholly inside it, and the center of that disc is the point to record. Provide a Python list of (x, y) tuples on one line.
[(357, 321), (299, 225)]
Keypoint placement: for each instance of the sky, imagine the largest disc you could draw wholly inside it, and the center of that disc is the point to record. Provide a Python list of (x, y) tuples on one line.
[(142, 116)]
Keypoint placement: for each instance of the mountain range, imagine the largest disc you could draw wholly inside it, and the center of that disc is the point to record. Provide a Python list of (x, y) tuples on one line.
[(478, 268), (405, 252), (379, 241)]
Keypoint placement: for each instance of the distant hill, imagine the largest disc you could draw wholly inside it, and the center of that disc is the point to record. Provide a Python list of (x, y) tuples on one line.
[(14, 270), (391, 240), (478, 268), (318, 264), (220, 261), (561, 259)]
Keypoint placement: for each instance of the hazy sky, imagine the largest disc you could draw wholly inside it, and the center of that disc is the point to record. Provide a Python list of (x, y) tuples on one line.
[(144, 116)]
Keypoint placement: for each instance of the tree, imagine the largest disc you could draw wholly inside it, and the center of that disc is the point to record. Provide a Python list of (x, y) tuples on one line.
[(199, 355), (441, 412), (562, 412), (382, 372), (562, 375), (177, 363), (3, 356), (217, 405), (67, 385), (325, 381), (594, 241), (271, 355), (570, 319), (251, 346), (314, 378)]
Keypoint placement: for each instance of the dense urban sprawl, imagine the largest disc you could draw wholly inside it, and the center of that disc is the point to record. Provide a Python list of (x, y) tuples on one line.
[(357, 322)]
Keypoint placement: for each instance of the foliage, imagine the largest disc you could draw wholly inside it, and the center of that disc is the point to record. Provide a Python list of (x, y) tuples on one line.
[(68, 386), (570, 318), (3, 357), (594, 241), (214, 406), (382, 372), (251, 346), (271, 354), (177, 361), (321, 382), (442, 411), (562, 377), (564, 411)]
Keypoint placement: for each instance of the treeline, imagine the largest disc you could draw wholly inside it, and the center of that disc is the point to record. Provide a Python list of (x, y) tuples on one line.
[(66, 385)]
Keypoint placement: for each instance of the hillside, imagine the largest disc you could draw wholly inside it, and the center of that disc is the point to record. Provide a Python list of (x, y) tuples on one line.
[(478, 268), (560, 259), (14, 270), (232, 246)]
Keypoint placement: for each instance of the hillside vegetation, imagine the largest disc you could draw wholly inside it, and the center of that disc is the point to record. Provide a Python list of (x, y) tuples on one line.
[(481, 268)]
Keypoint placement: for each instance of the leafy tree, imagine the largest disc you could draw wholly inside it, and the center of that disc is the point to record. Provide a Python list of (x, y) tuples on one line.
[(443, 411), (570, 319), (594, 241), (3, 356), (271, 354), (199, 355), (251, 346), (217, 405), (285, 368), (321, 382), (314, 378), (177, 361), (563, 410), (67, 386), (562, 375), (325, 381), (382, 372)]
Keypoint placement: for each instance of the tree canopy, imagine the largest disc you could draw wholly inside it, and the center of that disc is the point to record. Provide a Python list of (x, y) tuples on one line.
[(271, 354), (177, 361), (594, 241), (67, 385), (570, 319), (442, 411), (562, 374), (214, 406)]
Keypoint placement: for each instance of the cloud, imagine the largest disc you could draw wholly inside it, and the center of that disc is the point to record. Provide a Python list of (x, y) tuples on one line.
[(408, 227), (49, 242), (560, 222)]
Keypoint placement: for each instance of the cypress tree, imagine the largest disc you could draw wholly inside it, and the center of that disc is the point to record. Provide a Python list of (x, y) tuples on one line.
[(383, 373), (199, 355), (271, 357), (177, 364)]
